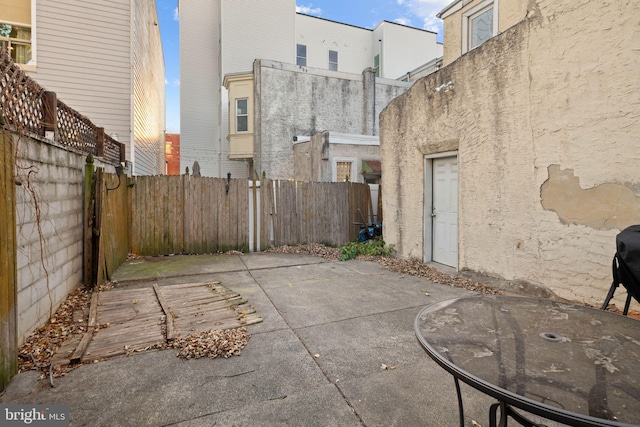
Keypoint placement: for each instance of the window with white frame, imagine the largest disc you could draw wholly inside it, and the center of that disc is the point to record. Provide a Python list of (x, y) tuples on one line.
[(242, 115), (15, 30), (479, 24), (301, 55), (376, 64), (333, 60), (344, 169), (17, 41)]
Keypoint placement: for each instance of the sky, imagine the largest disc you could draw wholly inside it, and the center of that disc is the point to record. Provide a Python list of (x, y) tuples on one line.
[(362, 13)]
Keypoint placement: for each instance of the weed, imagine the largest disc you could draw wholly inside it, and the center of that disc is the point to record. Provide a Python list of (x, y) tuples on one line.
[(370, 247)]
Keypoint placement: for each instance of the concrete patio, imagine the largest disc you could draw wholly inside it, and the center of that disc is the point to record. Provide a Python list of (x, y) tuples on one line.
[(330, 329)]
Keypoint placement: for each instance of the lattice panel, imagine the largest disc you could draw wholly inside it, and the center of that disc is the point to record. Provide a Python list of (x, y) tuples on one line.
[(20, 97), (75, 130), (22, 108), (111, 150)]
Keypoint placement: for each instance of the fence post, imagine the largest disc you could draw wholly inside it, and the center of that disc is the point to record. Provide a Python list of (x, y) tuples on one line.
[(8, 264), (100, 141), (49, 112), (89, 176)]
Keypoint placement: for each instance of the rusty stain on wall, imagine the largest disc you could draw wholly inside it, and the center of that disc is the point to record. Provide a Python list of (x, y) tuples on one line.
[(606, 206)]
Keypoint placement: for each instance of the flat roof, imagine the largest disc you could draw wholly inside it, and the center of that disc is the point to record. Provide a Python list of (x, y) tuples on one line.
[(364, 28)]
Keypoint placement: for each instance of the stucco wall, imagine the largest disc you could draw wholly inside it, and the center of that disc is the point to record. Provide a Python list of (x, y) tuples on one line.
[(314, 159), (324, 100), (544, 119)]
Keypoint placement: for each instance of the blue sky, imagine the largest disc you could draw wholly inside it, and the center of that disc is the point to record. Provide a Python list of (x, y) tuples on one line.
[(362, 13)]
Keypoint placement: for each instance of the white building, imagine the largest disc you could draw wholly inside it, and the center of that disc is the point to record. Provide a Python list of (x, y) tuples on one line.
[(221, 38)]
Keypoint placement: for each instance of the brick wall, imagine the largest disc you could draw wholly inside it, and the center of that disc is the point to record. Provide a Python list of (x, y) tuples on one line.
[(49, 193)]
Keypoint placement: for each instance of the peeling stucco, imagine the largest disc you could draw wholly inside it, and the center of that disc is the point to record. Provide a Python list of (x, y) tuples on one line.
[(605, 206), (533, 96)]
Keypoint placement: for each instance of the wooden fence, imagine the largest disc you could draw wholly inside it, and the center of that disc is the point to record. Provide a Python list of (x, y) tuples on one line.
[(318, 212), (186, 214), (162, 215), (8, 273), (112, 220)]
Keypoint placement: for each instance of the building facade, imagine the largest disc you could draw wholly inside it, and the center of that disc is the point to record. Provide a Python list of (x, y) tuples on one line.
[(519, 158), (172, 152), (470, 23), (222, 39), (107, 64)]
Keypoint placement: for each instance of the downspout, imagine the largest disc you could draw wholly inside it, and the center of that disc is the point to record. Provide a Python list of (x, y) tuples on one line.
[(257, 118)]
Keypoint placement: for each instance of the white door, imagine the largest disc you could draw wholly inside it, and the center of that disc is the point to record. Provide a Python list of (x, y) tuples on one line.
[(445, 211)]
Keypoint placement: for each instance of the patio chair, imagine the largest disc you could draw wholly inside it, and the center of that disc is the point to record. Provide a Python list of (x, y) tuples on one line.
[(626, 266)]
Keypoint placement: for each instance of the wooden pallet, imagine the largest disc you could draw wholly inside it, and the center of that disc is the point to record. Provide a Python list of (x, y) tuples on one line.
[(128, 320)]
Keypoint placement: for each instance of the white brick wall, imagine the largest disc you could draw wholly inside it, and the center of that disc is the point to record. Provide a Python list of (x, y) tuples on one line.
[(56, 176)]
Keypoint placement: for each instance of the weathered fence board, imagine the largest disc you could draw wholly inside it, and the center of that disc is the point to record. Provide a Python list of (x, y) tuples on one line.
[(112, 223), (8, 273), (315, 212), (186, 214)]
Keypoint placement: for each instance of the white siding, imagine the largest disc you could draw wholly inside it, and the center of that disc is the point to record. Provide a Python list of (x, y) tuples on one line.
[(83, 54), (200, 82), (251, 30), (148, 91), (256, 30), (404, 48), (353, 44)]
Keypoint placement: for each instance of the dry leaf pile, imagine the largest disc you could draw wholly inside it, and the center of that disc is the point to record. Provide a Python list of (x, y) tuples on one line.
[(315, 249), (38, 349), (212, 343), (397, 265)]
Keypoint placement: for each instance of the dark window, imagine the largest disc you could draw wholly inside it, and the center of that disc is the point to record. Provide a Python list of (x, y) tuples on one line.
[(301, 55), (333, 60)]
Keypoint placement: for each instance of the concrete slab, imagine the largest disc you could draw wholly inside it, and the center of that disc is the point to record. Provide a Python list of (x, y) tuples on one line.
[(315, 360), (149, 268)]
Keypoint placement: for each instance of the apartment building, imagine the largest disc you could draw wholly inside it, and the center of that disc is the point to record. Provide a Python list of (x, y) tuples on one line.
[(223, 38)]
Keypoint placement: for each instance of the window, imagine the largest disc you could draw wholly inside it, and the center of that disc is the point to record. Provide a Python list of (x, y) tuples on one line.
[(16, 30), (301, 55), (479, 24), (480, 28), (333, 60), (17, 41), (376, 65), (343, 171), (242, 115)]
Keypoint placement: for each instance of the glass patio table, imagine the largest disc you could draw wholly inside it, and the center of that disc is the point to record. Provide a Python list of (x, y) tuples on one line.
[(569, 363)]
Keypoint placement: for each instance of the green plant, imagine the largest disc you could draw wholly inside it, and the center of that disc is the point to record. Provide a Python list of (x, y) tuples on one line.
[(370, 247)]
